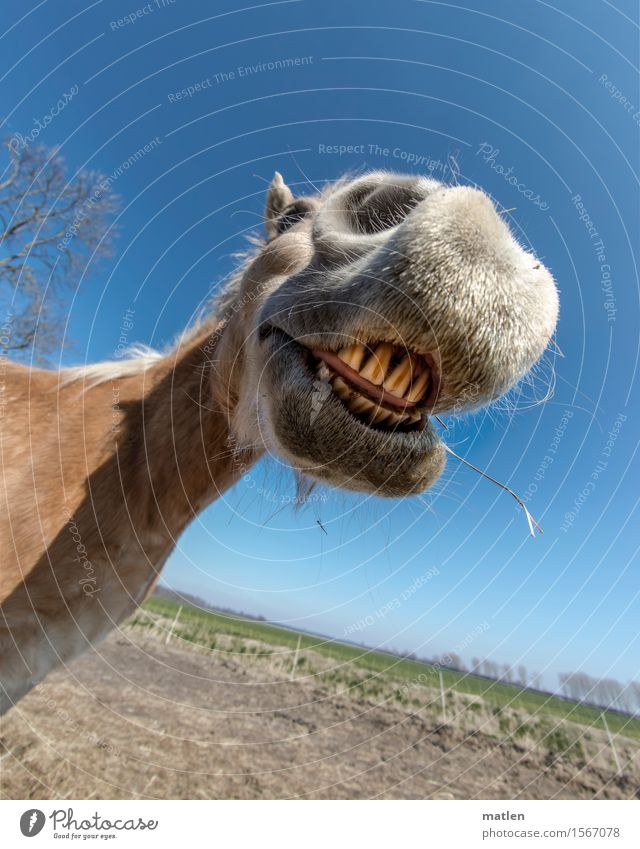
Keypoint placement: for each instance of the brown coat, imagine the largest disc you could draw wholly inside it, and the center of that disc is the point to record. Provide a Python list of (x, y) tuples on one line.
[(98, 483)]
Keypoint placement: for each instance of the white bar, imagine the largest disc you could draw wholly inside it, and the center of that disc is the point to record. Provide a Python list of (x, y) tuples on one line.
[(612, 744), (295, 659), (173, 625), (442, 697), (317, 824)]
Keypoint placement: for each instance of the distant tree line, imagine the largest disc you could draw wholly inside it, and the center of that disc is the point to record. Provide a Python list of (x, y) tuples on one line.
[(505, 673), (182, 597), (578, 686), (602, 692)]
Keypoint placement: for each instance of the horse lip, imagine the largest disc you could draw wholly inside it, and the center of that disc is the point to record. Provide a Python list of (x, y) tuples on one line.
[(376, 392), (286, 352)]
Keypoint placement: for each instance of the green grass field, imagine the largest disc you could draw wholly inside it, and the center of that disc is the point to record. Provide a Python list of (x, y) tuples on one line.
[(391, 673)]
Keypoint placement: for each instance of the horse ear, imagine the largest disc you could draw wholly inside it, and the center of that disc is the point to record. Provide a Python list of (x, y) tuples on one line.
[(279, 196)]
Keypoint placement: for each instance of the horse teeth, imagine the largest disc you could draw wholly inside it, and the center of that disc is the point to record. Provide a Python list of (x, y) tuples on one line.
[(417, 390), (376, 366), (360, 404), (353, 355), (397, 418), (400, 377), (379, 416), (342, 389), (323, 371), (409, 379)]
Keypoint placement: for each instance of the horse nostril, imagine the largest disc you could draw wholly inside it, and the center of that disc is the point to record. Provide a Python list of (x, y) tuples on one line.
[(357, 219), (385, 207)]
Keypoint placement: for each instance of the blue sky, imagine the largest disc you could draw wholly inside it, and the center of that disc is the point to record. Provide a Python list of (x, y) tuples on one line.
[(538, 105)]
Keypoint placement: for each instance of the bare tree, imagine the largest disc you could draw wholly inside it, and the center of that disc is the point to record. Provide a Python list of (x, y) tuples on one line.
[(578, 686), (52, 228), (452, 660), (506, 674), (626, 698), (491, 669), (607, 693), (522, 676), (565, 684)]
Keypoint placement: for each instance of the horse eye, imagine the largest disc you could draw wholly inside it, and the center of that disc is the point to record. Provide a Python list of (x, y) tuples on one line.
[(292, 214)]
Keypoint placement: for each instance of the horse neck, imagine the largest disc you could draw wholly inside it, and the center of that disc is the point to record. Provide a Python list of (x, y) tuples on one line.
[(184, 453)]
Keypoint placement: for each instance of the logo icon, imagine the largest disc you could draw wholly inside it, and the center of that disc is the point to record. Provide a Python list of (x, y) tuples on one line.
[(32, 822)]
